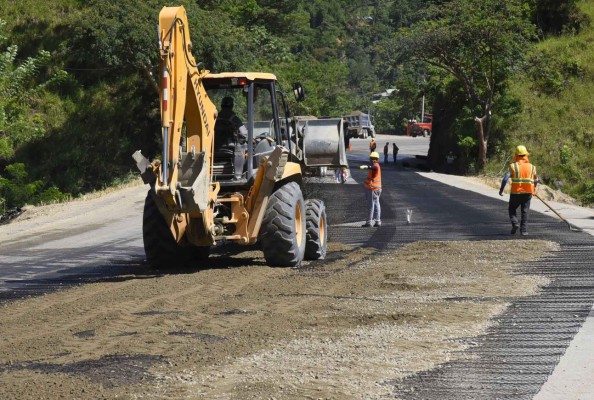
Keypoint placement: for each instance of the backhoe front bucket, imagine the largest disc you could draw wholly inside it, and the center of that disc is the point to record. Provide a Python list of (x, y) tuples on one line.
[(323, 142)]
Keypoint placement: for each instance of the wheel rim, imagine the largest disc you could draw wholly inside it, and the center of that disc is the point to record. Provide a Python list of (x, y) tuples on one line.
[(298, 224)]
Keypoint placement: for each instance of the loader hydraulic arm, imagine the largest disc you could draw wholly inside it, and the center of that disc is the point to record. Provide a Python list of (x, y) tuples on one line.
[(183, 99)]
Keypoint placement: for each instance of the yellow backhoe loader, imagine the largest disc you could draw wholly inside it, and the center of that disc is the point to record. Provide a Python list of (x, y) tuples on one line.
[(233, 162)]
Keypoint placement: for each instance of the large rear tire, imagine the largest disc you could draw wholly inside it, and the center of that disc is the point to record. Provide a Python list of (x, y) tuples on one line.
[(316, 230), (160, 248), (283, 227)]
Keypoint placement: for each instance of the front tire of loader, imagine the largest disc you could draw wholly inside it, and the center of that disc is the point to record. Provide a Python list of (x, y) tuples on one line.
[(283, 227), (316, 230), (160, 247)]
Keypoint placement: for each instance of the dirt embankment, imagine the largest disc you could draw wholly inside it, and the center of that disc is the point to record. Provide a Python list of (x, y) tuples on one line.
[(346, 328), (544, 191)]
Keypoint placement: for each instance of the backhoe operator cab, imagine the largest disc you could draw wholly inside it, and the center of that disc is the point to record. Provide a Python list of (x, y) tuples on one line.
[(248, 126), (231, 167)]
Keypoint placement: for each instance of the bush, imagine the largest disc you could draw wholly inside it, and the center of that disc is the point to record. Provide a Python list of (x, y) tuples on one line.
[(16, 190), (50, 195), (551, 73), (467, 146), (565, 155), (585, 193)]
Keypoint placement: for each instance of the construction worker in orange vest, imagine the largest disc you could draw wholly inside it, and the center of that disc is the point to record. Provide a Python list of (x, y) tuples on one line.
[(523, 186), (372, 146), (373, 186)]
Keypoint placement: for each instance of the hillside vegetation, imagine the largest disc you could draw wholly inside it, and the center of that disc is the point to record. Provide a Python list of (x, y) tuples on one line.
[(556, 121), (77, 89)]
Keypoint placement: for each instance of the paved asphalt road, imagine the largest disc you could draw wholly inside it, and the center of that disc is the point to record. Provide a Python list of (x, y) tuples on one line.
[(512, 361)]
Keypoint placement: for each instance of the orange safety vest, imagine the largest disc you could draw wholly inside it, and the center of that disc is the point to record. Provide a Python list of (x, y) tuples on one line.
[(374, 178), (523, 175)]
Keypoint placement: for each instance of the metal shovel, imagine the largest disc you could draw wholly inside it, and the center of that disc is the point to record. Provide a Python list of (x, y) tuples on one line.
[(571, 227)]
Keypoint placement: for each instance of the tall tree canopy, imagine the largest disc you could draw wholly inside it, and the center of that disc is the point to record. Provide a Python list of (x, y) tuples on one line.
[(63, 127), (479, 43)]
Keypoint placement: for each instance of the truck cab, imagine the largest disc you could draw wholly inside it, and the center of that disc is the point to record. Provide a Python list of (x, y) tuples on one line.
[(415, 128)]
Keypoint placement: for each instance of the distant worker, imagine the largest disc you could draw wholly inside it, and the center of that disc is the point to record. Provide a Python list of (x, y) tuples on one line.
[(395, 150), (228, 126), (386, 152), (523, 186), (372, 146), (373, 186)]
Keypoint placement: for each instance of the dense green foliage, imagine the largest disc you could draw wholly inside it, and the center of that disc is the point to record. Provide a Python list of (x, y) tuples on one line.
[(557, 118), (21, 122), (17, 189), (485, 41), (77, 93)]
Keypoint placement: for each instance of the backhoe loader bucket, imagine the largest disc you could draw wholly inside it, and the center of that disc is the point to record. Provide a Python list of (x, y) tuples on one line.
[(323, 142)]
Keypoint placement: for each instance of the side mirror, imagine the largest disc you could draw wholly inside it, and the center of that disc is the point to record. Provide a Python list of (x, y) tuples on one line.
[(299, 92)]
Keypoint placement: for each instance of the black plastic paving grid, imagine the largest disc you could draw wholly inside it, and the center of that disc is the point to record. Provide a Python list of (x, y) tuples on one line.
[(116, 260), (517, 354)]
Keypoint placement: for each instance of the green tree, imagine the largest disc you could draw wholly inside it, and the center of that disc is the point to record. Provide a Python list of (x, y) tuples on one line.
[(109, 108), (16, 188), (555, 16), (323, 96), (385, 115), (21, 122), (480, 43), (20, 86)]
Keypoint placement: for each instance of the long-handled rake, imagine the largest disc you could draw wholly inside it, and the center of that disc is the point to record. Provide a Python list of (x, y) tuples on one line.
[(571, 227)]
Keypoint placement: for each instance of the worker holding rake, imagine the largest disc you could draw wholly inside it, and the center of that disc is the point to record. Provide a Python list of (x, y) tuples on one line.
[(523, 187)]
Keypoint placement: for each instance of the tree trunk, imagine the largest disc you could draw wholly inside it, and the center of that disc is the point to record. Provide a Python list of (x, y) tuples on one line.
[(482, 140)]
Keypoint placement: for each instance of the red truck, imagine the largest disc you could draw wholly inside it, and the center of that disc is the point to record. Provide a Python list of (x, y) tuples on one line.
[(415, 128)]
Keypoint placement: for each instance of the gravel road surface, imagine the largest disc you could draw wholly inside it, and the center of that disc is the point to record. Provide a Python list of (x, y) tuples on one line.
[(448, 306)]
